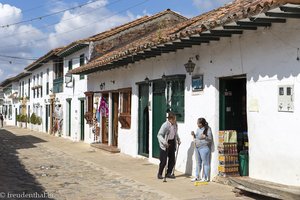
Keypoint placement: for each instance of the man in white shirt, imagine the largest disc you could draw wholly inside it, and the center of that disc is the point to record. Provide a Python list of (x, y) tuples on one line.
[(167, 138)]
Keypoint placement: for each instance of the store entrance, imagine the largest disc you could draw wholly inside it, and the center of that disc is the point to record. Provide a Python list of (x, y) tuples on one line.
[(233, 123)]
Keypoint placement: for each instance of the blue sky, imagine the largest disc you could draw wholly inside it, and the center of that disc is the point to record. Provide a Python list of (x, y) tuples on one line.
[(29, 29)]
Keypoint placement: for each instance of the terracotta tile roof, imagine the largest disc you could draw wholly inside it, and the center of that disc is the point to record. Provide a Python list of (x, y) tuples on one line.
[(134, 23), (14, 78), (7, 82), (237, 10), (121, 28), (39, 62)]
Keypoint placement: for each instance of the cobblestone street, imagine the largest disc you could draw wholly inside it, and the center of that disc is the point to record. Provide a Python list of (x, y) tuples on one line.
[(33, 162)]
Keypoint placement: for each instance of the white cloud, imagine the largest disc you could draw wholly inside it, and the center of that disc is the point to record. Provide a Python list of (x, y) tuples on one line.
[(15, 41), (87, 21), (9, 14), (208, 5), (30, 42)]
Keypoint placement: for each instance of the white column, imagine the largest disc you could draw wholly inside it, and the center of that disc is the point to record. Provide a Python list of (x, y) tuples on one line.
[(110, 122)]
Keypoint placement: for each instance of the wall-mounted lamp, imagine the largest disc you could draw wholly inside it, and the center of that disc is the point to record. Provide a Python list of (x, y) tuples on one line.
[(102, 86), (189, 66), (68, 79), (164, 77), (147, 81)]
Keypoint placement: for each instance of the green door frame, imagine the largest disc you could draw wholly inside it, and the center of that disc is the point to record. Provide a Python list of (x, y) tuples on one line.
[(143, 136), (70, 116), (46, 119), (232, 115), (16, 113), (81, 119), (222, 104)]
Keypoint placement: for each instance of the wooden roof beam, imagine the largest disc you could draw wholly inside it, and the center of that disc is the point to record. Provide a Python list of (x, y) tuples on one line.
[(268, 20), (240, 27), (204, 38), (215, 34), (283, 14), (226, 31), (292, 9), (250, 23)]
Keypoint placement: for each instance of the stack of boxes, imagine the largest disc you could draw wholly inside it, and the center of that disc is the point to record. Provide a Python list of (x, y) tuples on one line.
[(228, 155)]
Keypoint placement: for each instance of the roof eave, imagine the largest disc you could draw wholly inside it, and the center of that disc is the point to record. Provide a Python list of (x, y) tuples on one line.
[(72, 49)]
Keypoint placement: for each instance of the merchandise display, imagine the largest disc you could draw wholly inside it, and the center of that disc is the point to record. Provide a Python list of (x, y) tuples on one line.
[(228, 153)]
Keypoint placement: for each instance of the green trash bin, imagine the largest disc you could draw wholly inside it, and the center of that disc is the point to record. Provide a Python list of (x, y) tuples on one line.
[(243, 163)]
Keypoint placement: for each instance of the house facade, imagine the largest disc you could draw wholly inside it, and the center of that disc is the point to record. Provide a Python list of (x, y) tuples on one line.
[(237, 66), (46, 80), (72, 98), (86, 50), (246, 60), (15, 100)]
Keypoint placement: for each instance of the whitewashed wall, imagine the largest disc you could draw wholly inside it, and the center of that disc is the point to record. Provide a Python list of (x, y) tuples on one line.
[(21, 94), (268, 58), (10, 121), (45, 99)]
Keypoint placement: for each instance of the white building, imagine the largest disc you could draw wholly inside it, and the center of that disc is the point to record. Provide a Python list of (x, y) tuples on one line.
[(78, 53), (46, 81), (246, 78), (15, 98), (72, 98)]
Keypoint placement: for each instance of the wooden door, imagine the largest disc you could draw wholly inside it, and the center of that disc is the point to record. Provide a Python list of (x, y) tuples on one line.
[(115, 113), (159, 113), (104, 124), (233, 104)]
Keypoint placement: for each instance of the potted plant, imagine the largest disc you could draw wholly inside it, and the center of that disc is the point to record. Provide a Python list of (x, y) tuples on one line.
[(18, 118), (39, 123), (33, 121), (28, 120), (23, 120)]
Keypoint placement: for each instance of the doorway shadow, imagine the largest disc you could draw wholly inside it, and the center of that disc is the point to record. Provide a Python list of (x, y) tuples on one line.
[(14, 177)]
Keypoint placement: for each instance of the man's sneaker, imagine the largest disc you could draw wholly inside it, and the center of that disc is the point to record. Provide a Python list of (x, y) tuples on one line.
[(194, 179), (159, 176), (170, 176)]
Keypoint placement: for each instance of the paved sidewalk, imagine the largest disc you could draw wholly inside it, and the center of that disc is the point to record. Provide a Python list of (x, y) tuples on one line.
[(34, 162)]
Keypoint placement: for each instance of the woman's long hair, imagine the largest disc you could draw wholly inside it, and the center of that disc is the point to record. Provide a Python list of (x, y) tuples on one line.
[(205, 124)]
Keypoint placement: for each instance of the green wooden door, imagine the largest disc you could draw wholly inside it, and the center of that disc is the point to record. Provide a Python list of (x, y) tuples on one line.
[(159, 113), (70, 117), (81, 119), (143, 136), (46, 118), (16, 113), (233, 104)]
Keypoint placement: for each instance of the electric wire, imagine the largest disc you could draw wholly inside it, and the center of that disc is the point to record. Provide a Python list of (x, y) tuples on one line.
[(68, 19), (48, 15), (81, 27)]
